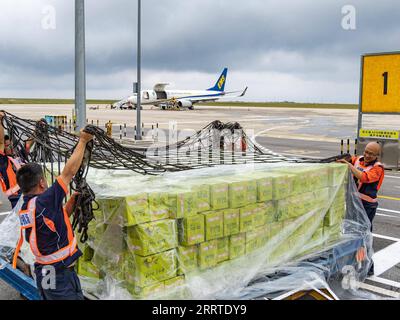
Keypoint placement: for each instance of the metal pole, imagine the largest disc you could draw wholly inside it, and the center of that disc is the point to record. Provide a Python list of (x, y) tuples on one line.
[(355, 146), (139, 80), (80, 68), (360, 112)]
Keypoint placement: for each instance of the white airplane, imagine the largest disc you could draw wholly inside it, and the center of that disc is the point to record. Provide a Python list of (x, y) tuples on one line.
[(180, 99)]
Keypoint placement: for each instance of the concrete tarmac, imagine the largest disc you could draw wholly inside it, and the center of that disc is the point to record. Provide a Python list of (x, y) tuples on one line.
[(301, 132)]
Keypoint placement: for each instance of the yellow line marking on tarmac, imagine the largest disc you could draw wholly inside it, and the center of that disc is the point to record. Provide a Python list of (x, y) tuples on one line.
[(389, 198)]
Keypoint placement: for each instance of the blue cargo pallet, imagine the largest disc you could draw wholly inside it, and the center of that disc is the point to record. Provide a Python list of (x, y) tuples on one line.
[(19, 281), (334, 258)]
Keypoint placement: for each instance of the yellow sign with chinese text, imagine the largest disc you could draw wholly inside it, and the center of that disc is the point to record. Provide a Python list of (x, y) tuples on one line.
[(379, 134)]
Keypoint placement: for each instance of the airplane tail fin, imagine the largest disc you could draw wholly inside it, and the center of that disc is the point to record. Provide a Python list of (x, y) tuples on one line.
[(220, 84)]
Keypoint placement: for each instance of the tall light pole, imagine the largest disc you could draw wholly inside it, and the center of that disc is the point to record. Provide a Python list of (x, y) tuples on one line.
[(80, 66), (139, 80)]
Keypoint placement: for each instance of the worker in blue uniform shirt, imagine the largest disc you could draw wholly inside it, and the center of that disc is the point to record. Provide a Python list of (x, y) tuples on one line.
[(48, 229)]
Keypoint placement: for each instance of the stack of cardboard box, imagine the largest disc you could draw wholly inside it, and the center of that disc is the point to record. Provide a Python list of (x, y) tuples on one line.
[(152, 241)]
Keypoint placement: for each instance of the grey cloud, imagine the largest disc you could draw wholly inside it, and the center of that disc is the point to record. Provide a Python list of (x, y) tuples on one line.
[(299, 38)]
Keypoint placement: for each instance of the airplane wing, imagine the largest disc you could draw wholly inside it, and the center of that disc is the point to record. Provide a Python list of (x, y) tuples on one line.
[(231, 94), (234, 93)]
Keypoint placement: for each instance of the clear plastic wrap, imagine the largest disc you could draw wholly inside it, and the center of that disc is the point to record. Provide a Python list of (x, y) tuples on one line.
[(217, 233)]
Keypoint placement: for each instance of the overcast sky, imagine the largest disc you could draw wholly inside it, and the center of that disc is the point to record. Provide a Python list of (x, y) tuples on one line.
[(286, 50)]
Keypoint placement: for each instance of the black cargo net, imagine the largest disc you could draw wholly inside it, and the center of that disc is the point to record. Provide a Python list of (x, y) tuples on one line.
[(216, 144)]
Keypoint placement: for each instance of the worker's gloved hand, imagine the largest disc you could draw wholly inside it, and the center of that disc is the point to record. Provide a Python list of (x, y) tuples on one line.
[(85, 136), (342, 161)]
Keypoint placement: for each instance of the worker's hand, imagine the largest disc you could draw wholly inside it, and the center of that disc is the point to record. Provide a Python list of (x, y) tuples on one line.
[(350, 165), (1, 115), (85, 137)]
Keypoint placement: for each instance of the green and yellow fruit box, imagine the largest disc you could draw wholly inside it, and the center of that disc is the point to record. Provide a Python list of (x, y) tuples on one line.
[(182, 204), (231, 222), (214, 224), (247, 218), (152, 237), (219, 195), (153, 269), (187, 259), (126, 211), (208, 254), (158, 205), (191, 230), (237, 245), (222, 249)]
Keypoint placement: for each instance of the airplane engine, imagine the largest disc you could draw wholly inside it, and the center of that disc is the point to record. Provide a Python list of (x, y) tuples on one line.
[(185, 104)]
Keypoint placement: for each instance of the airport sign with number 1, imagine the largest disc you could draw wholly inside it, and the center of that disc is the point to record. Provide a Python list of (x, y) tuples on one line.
[(381, 83)]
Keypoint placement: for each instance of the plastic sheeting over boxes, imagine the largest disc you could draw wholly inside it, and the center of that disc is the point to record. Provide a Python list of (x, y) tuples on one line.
[(206, 233), (181, 225)]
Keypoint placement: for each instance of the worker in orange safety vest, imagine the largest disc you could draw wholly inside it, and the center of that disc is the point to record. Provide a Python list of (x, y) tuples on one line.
[(368, 173), (44, 221), (8, 167), (9, 164)]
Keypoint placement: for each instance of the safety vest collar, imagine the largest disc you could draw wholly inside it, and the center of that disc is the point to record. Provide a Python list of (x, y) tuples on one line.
[(366, 168)]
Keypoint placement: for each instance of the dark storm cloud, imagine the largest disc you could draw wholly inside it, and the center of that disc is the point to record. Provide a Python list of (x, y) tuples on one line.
[(303, 39)]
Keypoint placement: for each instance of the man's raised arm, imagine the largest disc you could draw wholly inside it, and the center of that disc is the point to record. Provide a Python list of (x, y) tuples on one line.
[(73, 164)]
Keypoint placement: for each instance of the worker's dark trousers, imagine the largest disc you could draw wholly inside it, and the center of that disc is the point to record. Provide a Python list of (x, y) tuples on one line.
[(370, 209), (67, 285)]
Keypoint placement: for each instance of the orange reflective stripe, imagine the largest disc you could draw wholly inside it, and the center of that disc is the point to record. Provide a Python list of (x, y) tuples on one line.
[(17, 250), (32, 237), (12, 178), (50, 224), (3, 185), (58, 255), (62, 184), (68, 224), (26, 221), (381, 179)]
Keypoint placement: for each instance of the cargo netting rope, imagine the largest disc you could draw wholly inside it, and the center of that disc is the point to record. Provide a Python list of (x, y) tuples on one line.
[(221, 143), (52, 145), (216, 144), (211, 233)]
